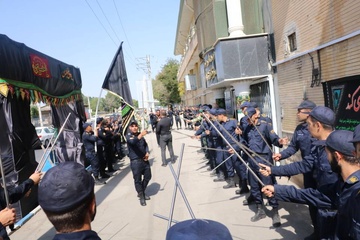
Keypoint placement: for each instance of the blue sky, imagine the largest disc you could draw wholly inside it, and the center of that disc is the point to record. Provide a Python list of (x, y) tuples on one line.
[(70, 32)]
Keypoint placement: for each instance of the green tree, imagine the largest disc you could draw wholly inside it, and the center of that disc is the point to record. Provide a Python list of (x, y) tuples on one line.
[(111, 102), (34, 111), (136, 103), (165, 85)]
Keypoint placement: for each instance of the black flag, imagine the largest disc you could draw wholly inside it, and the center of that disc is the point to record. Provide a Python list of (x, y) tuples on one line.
[(116, 80)]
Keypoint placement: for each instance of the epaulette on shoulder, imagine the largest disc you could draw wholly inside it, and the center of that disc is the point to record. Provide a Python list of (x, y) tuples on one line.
[(263, 121), (263, 115), (353, 179)]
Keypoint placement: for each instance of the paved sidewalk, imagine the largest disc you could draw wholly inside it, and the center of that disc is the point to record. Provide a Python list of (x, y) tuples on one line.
[(120, 215)]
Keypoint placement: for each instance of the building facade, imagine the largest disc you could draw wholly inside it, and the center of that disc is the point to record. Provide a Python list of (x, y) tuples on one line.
[(225, 53), (275, 53)]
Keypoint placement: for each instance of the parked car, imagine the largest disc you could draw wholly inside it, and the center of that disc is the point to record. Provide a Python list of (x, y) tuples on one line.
[(45, 134)]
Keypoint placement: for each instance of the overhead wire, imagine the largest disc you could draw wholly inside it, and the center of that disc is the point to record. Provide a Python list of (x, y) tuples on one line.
[(117, 12), (126, 55), (101, 23)]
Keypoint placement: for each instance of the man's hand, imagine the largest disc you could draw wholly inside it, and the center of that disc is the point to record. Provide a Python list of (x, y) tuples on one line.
[(268, 190), (276, 156), (231, 151), (207, 132), (283, 141), (36, 177), (146, 157), (264, 170), (7, 216), (238, 131)]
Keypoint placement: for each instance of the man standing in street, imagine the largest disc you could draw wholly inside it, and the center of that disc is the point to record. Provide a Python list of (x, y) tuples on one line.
[(302, 140), (259, 136), (89, 139), (139, 160), (163, 129)]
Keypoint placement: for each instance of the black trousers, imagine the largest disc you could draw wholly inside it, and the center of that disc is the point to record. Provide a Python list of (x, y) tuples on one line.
[(94, 162), (141, 174)]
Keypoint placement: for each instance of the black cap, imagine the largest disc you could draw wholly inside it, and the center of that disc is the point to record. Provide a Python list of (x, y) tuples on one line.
[(85, 125), (245, 104), (213, 111), (221, 111), (250, 111), (356, 136), (306, 104), (324, 115), (198, 229), (133, 121), (64, 187), (99, 120), (340, 140)]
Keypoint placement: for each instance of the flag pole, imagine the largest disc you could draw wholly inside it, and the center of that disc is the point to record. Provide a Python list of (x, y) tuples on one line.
[(96, 115)]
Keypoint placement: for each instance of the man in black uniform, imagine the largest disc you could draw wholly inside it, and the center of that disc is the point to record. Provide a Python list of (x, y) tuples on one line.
[(89, 139), (163, 129), (343, 195), (139, 160), (66, 194), (177, 114)]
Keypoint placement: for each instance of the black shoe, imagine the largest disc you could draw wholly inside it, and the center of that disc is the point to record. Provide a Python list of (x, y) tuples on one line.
[(231, 184), (173, 161), (104, 175), (260, 214), (145, 196), (248, 201), (243, 190), (212, 174), (163, 165), (111, 170), (142, 198), (97, 180), (276, 218), (219, 179)]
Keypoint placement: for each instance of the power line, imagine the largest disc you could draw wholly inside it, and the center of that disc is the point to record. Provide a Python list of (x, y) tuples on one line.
[(107, 20), (101, 23), (117, 12)]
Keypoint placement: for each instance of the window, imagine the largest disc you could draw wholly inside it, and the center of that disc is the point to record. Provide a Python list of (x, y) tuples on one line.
[(292, 42)]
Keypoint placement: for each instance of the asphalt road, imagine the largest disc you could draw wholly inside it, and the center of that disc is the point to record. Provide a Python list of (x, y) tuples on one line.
[(120, 215)]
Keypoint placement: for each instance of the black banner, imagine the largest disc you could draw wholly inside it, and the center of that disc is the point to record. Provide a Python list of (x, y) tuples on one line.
[(343, 96)]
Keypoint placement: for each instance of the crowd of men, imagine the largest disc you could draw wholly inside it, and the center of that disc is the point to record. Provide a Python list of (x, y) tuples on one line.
[(330, 164), (103, 146), (236, 149)]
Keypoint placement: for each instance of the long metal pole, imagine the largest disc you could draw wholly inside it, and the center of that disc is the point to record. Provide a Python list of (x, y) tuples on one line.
[(175, 187), (165, 218), (243, 147), (207, 148), (4, 181), (222, 162), (235, 152), (42, 160), (181, 191), (267, 144)]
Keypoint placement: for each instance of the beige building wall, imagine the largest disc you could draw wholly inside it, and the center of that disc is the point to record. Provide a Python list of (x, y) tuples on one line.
[(315, 22), (295, 78), (341, 60)]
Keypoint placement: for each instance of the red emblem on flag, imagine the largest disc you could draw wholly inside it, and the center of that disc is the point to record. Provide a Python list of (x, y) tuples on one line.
[(40, 66)]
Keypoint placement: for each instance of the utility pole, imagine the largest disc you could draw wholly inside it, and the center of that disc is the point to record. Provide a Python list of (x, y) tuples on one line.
[(148, 95)]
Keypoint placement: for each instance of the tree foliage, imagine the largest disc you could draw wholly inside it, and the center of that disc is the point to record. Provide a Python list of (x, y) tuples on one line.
[(34, 111), (165, 85)]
